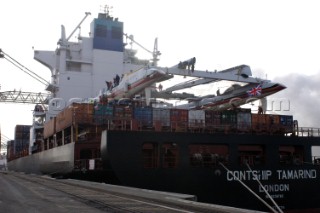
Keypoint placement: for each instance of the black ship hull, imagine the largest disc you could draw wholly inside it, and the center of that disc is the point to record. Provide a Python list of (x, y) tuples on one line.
[(126, 156)]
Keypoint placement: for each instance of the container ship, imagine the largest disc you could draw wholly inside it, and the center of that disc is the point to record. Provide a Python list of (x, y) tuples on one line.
[(108, 119)]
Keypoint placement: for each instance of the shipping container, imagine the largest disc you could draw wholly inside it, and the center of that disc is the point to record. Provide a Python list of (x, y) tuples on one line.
[(266, 122), (274, 123), (22, 128), (244, 121), (229, 118), (122, 112), (122, 117), (128, 113), (21, 144), (10, 150), (161, 117), (22, 132), (103, 113), (286, 122), (77, 113), (64, 118), (83, 112), (143, 115), (196, 118), (212, 118), (260, 122), (179, 119)]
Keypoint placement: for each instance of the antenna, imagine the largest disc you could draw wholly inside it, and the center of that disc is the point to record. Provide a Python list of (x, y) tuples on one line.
[(106, 9)]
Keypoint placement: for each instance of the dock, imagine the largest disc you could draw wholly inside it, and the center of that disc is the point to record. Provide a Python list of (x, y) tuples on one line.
[(33, 193)]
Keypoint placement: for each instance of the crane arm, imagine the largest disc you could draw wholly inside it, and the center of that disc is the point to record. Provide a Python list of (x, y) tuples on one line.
[(24, 97), (78, 26), (155, 52), (23, 68)]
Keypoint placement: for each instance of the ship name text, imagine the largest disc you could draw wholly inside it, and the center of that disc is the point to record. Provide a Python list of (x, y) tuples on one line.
[(267, 174)]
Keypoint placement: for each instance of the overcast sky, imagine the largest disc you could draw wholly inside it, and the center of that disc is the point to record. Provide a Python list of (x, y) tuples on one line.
[(279, 40)]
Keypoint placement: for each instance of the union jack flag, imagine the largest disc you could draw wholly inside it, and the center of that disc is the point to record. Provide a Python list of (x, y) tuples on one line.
[(255, 91)]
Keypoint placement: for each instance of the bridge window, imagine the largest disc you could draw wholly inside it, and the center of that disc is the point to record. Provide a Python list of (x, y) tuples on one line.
[(117, 32), (101, 31), (204, 155)]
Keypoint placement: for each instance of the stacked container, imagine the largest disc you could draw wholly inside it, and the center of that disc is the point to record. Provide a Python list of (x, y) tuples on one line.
[(260, 122), (122, 112), (144, 116), (272, 123), (102, 113), (286, 123), (77, 113), (229, 118), (122, 116), (212, 119), (161, 117), (244, 119), (179, 119), (196, 118), (21, 140), (10, 150)]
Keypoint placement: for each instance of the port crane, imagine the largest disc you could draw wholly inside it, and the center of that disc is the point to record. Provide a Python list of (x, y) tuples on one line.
[(20, 96), (24, 97)]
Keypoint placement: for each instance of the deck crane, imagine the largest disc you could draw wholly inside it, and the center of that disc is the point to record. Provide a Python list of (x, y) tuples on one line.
[(155, 53), (64, 40), (24, 97)]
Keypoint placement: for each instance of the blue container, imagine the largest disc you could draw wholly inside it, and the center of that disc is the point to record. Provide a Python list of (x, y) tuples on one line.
[(144, 115), (286, 120), (102, 113)]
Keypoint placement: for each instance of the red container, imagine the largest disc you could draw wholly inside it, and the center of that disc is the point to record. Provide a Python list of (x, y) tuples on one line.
[(179, 119)]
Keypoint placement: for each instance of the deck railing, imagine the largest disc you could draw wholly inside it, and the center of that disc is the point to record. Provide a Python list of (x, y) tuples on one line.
[(308, 132)]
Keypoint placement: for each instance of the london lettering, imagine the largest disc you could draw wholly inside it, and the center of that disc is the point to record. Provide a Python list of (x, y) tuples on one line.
[(275, 188)]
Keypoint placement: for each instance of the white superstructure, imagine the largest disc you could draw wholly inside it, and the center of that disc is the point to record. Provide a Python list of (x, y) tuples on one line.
[(80, 69)]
